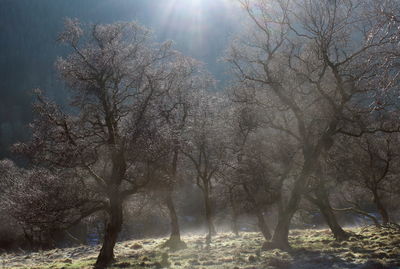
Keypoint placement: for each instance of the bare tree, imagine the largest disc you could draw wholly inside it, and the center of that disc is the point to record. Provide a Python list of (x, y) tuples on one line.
[(319, 195), (113, 134), (314, 61), (258, 156), (232, 195), (47, 202), (370, 165), (205, 147), (188, 77)]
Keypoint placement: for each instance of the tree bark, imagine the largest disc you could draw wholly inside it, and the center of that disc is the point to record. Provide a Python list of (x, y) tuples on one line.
[(235, 215), (321, 200), (175, 232), (174, 242), (262, 225), (323, 204), (381, 208), (106, 255), (235, 227), (208, 209), (114, 225), (331, 220), (280, 239), (311, 154)]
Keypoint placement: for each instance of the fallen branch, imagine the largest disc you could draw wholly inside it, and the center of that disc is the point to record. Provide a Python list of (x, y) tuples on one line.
[(360, 212)]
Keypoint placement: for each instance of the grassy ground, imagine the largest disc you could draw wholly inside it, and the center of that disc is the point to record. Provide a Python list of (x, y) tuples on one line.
[(311, 249)]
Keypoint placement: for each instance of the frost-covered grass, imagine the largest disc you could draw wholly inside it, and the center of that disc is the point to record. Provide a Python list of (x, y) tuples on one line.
[(311, 249)]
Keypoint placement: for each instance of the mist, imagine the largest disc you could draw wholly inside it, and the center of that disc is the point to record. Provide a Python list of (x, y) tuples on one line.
[(199, 134)]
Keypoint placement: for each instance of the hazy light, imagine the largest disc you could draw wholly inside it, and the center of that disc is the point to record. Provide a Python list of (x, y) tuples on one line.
[(190, 19)]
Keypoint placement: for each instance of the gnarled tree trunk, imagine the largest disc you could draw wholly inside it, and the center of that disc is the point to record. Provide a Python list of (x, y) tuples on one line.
[(174, 242), (208, 209), (381, 208), (235, 227), (235, 215), (280, 238), (332, 222), (262, 225), (323, 204), (175, 232), (106, 255)]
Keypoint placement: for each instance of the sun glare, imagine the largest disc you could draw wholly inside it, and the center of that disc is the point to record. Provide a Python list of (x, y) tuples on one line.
[(190, 18)]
